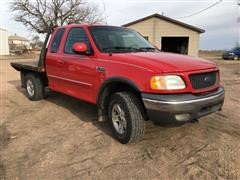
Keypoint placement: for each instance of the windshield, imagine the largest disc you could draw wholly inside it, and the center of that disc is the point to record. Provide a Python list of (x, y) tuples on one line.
[(117, 39), (236, 49)]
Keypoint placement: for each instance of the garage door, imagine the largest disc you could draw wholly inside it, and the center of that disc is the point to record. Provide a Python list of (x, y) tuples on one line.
[(175, 44)]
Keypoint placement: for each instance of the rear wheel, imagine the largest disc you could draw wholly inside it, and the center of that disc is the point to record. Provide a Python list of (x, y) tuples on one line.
[(34, 87), (125, 118)]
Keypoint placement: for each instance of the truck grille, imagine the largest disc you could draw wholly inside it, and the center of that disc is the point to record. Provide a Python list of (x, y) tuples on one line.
[(203, 80)]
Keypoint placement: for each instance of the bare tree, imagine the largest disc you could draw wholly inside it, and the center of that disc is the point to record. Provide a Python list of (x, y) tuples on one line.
[(36, 42), (40, 15)]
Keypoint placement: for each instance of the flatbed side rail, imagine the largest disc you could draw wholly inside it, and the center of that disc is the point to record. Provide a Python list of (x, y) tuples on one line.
[(22, 67)]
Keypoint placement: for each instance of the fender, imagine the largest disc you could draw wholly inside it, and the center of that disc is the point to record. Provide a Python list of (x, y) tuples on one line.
[(115, 80)]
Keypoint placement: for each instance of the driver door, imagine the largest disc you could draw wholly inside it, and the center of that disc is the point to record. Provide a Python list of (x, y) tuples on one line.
[(79, 70)]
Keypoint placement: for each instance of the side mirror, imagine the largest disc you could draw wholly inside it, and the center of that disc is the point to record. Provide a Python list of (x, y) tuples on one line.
[(80, 48)]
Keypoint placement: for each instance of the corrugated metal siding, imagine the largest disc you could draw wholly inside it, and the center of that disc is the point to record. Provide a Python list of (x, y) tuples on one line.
[(155, 28)]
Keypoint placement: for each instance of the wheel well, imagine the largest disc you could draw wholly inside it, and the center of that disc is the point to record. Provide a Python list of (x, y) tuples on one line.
[(118, 86), (42, 76)]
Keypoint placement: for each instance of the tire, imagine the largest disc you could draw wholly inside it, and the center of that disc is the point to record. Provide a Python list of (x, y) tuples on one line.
[(131, 119), (34, 87)]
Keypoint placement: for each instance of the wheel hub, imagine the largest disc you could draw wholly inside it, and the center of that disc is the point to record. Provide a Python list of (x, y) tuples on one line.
[(118, 119), (30, 87)]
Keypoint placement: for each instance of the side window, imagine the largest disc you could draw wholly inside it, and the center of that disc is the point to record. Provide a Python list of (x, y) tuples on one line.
[(76, 35), (56, 40)]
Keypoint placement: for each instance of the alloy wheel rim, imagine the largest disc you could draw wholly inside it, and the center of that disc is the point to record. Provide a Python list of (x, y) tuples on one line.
[(119, 119), (30, 87)]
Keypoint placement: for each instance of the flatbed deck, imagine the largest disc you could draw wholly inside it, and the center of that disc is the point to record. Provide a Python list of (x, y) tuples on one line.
[(30, 66)]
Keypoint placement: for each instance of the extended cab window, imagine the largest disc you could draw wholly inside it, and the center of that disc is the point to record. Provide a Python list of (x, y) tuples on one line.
[(76, 35), (56, 40)]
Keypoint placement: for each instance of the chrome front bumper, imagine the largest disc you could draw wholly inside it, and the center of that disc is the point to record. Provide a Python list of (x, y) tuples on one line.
[(168, 107)]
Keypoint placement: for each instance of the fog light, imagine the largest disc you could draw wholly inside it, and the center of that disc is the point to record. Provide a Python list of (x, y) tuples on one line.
[(182, 117)]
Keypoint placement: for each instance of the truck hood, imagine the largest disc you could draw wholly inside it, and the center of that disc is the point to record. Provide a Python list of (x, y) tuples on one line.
[(164, 62)]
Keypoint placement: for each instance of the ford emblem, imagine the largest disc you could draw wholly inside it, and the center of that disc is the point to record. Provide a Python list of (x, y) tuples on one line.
[(207, 79)]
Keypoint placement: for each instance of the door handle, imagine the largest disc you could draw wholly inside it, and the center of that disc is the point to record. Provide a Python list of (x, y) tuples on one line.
[(60, 62)]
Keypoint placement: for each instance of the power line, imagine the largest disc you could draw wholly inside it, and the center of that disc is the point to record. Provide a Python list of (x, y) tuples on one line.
[(201, 10)]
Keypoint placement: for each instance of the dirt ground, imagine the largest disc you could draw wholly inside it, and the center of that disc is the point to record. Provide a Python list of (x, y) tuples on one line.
[(60, 138)]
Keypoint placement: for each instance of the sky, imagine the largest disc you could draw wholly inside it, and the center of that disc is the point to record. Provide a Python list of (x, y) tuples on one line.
[(219, 22)]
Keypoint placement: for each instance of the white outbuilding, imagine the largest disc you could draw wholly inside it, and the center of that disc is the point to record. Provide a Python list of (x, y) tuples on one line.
[(168, 34), (4, 47)]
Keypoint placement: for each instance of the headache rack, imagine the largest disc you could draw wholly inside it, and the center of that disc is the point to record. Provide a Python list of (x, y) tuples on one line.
[(37, 66)]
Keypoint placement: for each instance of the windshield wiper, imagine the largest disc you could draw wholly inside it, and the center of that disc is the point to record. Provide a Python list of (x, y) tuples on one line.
[(147, 48), (123, 48)]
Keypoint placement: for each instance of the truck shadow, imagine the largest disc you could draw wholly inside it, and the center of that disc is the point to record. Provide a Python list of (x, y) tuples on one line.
[(84, 111)]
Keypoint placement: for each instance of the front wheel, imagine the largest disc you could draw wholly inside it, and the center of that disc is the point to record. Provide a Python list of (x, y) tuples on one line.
[(125, 117)]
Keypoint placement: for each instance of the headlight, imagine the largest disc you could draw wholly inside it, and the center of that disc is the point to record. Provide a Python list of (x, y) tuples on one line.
[(168, 82)]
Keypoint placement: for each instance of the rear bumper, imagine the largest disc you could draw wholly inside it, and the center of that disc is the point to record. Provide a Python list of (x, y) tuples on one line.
[(168, 109)]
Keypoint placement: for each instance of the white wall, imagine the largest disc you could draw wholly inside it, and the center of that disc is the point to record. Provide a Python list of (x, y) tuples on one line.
[(4, 48), (19, 42)]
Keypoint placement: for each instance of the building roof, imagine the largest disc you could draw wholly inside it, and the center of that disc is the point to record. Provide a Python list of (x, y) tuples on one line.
[(166, 19), (16, 37)]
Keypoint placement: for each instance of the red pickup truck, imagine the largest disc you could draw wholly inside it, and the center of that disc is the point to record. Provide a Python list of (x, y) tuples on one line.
[(128, 79)]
